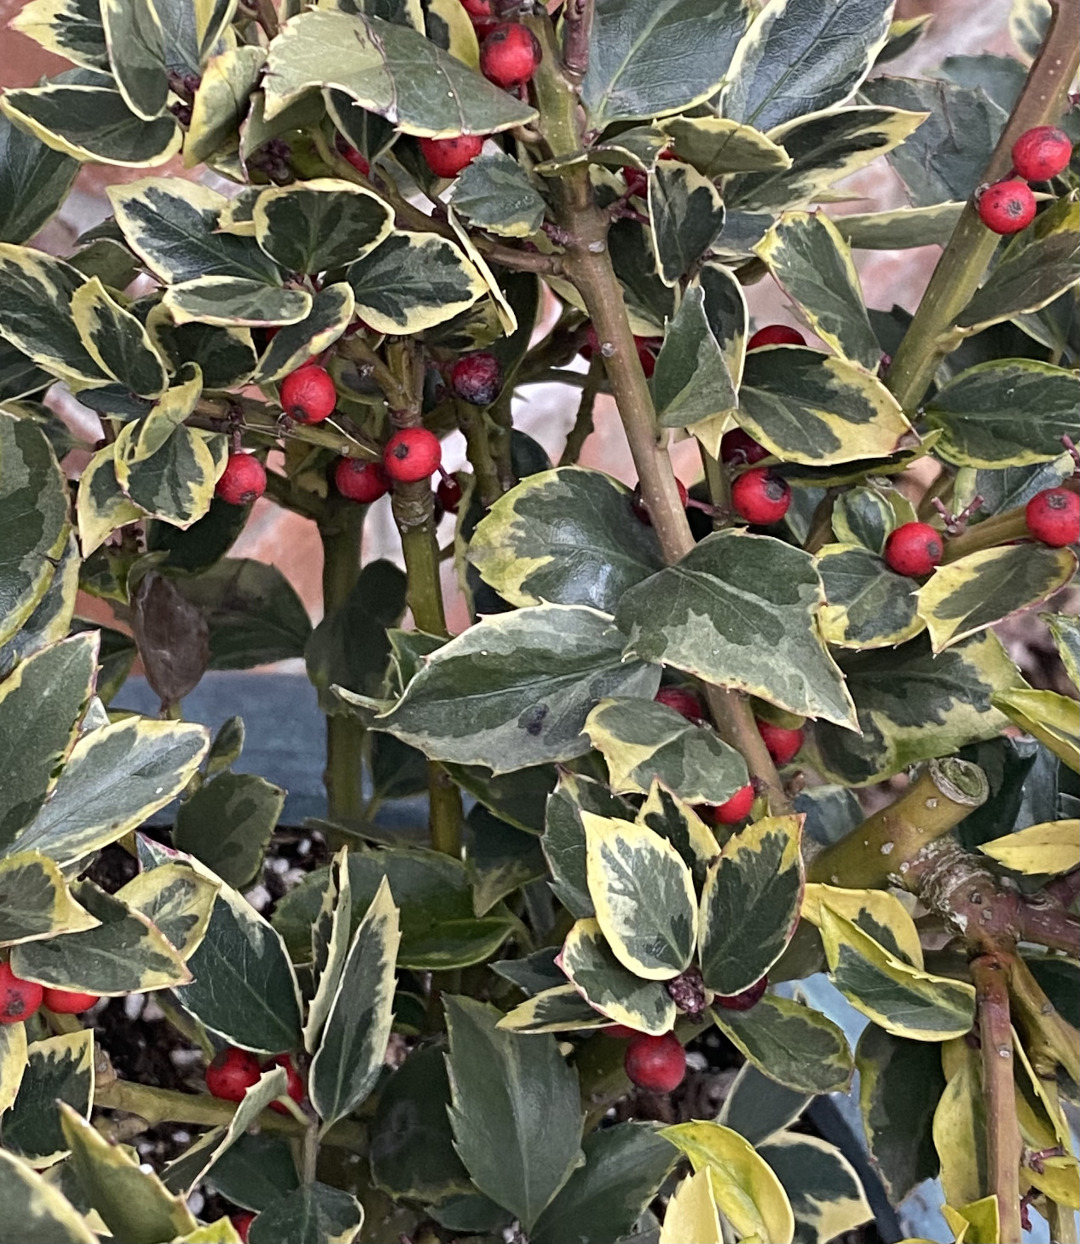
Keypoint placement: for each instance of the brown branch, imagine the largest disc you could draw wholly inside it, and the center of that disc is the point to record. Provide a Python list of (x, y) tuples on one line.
[(1043, 921), (577, 19), (224, 414)]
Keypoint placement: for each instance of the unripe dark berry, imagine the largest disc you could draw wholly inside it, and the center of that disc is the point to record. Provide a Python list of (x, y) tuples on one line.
[(232, 1073), (242, 1223), (19, 999), (1007, 206), (509, 55), (641, 513), (477, 378), (740, 447), (449, 494), (759, 496), (737, 808), (1053, 516), (776, 335), (294, 1086), (657, 1064), (243, 480), (1041, 153), (781, 743), (682, 701), (745, 1000), (913, 549), (308, 394), (67, 1002), (446, 157), (412, 454), (360, 481)]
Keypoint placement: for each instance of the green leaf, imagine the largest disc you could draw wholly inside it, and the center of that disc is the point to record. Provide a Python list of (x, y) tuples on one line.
[(34, 181), (686, 213), (701, 361), (625, 1166), (176, 899), (227, 824), (779, 71), (1065, 630), (738, 611), (515, 1111), (35, 1209), (136, 46), (495, 193), (19, 375), (221, 101), (903, 1000), (117, 341), (1005, 412), (980, 589), (514, 690), (101, 506), (649, 302), (35, 901), (757, 1107), (901, 228), (810, 261), (115, 777), (561, 1009), (821, 1184), (643, 741), (412, 282), (13, 1057), (716, 146), (387, 69), (867, 605), (353, 1046), (295, 344), (175, 483), (867, 516), (1025, 280), (256, 1170), (876, 912), (644, 896), (1047, 716), (72, 29), (614, 990), (648, 59), (235, 301), (564, 836), (501, 859), (320, 224), (225, 356), (59, 1069), (51, 619), (790, 1043), (313, 1214), (667, 815), (750, 904), (565, 536)]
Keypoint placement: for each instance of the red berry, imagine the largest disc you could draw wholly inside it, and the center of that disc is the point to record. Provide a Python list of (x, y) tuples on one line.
[(446, 157), (1007, 206), (243, 480), (641, 513), (776, 335), (449, 494), (484, 9), (509, 55), (781, 743), (620, 1032), (19, 999), (360, 481), (737, 808), (358, 161), (477, 378), (591, 343), (913, 549), (657, 1064), (67, 1002), (745, 1000), (1042, 153), (645, 355), (294, 1086), (308, 394), (242, 1223), (682, 701), (412, 454), (738, 446), (637, 182), (1053, 516), (232, 1073), (759, 496)]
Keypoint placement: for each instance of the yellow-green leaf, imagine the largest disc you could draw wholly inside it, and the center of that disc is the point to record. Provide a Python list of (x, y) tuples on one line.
[(176, 482), (693, 1213), (960, 1128), (177, 900), (876, 912), (117, 341), (12, 1062), (1050, 847), (319, 224), (826, 1195), (718, 145), (867, 605), (136, 45), (561, 1009), (101, 507), (790, 1043), (294, 344), (59, 1069), (975, 1223), (35, 901), (72, 29), (168, 413), (222, 100), (35, 1209), (1048, 716)]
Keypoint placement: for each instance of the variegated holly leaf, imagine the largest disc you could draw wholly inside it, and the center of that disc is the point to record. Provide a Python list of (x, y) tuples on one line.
[(34, 181), (876, 912), (1065, 630), (388, 69), (1006, 412), (757, 1107), (58, 1069), (567, 536), (235, 301), (686, 212), (643, 742), (1047, 716), (667, 815), (221, 101), (225, 356), (51, 619), (750, 904), (13, 1059), (812, 264), (177, 899), (514, 690), (320, 224), (176, 482), (790, 1043), (116, 341), (614, 990), (868, 515), (644, 897), (495, 193), (1027, 279), (19, 374), (901, 228), (136, 45), (101, 505), (37, 1205), (72, 29), (693, 1213), (867, 605), (717, 146), (564, 836), (826, 1196), (700, 363), (560, 1009), (1052, 847), (294, 344), (35, 901), (738, 611)]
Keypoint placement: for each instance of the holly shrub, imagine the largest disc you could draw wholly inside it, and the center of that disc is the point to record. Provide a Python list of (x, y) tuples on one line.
[(428, 1036)]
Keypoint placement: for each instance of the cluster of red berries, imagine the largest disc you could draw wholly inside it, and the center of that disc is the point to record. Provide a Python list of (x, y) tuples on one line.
[(19, 999), (233, 1071), (1040, 154)]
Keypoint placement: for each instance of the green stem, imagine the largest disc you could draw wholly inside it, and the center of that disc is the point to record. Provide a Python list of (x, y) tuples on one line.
[(500, 428), (253, 416), (971, 247), (583, 420), (718, 483), (1001, 528), (474, 427), (1050, 1040)]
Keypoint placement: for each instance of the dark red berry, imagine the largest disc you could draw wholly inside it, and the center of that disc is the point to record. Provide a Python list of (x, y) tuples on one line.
[(243, 480), (591, 343), (781, 743), (641, 513), (67, 1002), (740, 447), (913, 549), (737, 808), (358, 161), (759, 496), (637, 182), (776, 335), (509, 55), (1041, 153), (446, 157), (477, 378), (657, 1064), (19, 999), (308, 394), (745, 1000), (620, 1032), (1007, 206), (294, 1086), (682, 701), (232, 1073), (412, 454), (484, 9), (645, 355), (360, 481), (449, 494), (242, 1223), (1053, 516)]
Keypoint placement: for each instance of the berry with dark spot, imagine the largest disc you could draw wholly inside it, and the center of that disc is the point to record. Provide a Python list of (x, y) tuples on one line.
[(509, 55), (745, 1000), (446, 157), (683, 702), (776, 335), (243, 480), (68, 1002), (738, 447), (761, 497), (913, 549), (657, 1064), (1007, 206), (308, 394), (781, 743), (1041, 153), (1053, 516), (19, 999), (412, 454), (737, 808), (364, 482), (232, 1073), (477, 378)]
